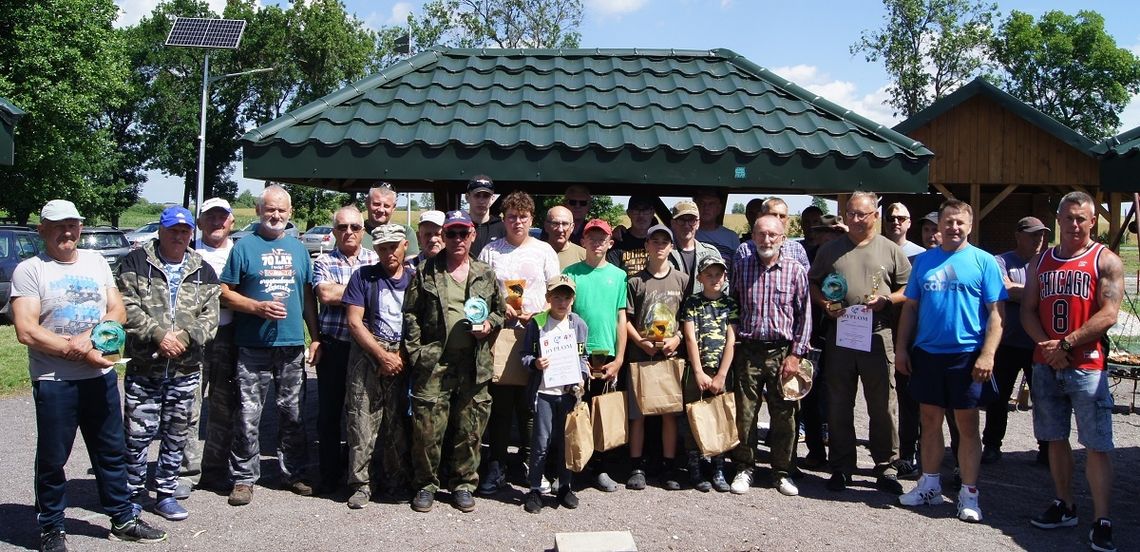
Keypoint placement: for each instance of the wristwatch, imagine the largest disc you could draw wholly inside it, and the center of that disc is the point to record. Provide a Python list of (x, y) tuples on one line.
[(1066, 346)]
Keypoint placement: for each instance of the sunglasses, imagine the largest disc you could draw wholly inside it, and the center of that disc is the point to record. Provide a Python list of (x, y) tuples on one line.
[(353, 227), (457, 234), (577, 202)]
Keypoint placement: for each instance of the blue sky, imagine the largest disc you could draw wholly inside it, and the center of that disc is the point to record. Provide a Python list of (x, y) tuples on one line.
[(806, 42)]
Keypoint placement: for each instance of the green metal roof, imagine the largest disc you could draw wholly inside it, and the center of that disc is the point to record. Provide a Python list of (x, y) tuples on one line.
[(979, 86), (594, 116), (1120, 162), (9, 116)]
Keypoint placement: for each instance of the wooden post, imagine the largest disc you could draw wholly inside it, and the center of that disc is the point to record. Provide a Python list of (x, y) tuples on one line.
[(1113, 213), (976, 203)]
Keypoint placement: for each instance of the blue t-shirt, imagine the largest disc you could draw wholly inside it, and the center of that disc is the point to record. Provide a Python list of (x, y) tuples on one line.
[(952, 290), (263, 271), (384, 319)]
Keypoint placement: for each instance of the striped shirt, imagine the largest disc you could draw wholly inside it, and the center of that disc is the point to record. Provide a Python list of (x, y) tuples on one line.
[(773, 300), (333, 267)]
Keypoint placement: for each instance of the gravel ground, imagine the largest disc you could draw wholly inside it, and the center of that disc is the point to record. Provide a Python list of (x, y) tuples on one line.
[(859, 519)]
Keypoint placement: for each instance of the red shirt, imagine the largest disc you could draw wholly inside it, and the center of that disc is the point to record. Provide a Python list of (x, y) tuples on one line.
[(1067, 294)]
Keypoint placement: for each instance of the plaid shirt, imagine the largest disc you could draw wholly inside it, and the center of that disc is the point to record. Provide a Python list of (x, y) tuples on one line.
[(773, 300), (334, 267)]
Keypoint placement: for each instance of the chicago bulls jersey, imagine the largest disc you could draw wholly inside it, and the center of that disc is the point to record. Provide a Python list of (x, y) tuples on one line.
[(1066, 290)]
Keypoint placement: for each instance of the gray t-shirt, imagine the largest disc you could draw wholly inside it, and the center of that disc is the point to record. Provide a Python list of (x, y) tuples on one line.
[(879, 262), (1013, 333), (73, 299)]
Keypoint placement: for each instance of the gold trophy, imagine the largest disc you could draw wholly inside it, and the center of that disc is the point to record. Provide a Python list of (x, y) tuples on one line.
[(876, 283)]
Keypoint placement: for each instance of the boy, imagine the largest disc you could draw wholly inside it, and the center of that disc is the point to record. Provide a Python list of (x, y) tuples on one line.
[(551, 404), (708, 321)]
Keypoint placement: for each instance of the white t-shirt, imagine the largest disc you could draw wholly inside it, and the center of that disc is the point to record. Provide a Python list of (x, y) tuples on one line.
[(530, 265), (216, 258), (73, 299)]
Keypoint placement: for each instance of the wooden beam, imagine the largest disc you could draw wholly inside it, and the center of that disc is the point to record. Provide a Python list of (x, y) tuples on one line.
[(1100, 210), (995, 201), (1113, 213), (942, 190), (975, 199)]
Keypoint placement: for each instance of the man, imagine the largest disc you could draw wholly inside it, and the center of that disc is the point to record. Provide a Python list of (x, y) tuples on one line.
[(578, 199), (267, 283), (876, 272), (687, 253), (751, 213), (559, 223), (429, 234), (628, 252), (772, 338), (896, 227), (488, 227), (331, 272), (712, 230), (171, 299), (1015, 353), (377, 379), (930, 236), (57, 298), (791, 249), (450, 364), (207, 464), (810, 217), (381, 204), (953, 311), (1071, 299)]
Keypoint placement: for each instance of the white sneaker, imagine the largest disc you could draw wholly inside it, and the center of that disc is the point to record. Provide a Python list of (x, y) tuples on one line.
[(786, 487), (544, 486), (968, 509), (742, 482), (923, 493)]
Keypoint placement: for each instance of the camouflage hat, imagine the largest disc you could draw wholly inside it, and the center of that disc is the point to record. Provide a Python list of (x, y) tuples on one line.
[(388, 233)]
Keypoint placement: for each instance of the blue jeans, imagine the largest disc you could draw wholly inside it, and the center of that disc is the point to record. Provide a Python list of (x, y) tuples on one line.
[(549, 437), (92, 406)]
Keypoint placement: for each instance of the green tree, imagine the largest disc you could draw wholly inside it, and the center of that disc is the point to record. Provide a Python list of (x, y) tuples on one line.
[(929, 48), (245, 200), (63, 63), (1069, 68), (738, 208), (821, 204), (494, 24)]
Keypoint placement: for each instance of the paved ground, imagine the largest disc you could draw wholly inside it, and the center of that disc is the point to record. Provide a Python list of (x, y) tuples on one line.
[(860, 519)]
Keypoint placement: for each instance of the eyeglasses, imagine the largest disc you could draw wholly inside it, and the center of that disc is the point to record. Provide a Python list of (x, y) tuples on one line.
[(577, 202), (898, 218), (354, 227), (856, 215), (457, 234)]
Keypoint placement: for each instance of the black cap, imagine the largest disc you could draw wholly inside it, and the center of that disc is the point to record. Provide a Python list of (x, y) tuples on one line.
[(642, 200), (481, 182)]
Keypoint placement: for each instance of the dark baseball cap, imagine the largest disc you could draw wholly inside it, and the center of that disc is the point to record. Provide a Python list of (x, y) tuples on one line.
[(481, 182), (1031, 224)]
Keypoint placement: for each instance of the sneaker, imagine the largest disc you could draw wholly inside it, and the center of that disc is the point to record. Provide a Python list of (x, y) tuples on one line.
[(606, 483), (567, 498), (742, 482), (137, 530), (889, 483), (698, 482), (359, 499), (672, 480), (463, 501), (54, 540), (182, 492), (786, 487), (838, 482), (493, 481), (926, 492), (991, 455), (544, 485), (719, 483), (636, 481), (968, 509), (1057, 515), (301, 488), (1100, 536), (423, 501), (241, 495), (533, 503), (170, 509), (906, 469)]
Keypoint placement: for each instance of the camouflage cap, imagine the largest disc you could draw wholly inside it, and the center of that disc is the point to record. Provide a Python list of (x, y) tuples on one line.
[(388, 233)]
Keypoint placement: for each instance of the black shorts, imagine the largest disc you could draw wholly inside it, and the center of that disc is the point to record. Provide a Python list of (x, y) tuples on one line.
[(946, 380)]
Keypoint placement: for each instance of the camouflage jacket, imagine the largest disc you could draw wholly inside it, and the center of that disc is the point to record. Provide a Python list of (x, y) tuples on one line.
[(425, 327), (146, 297)]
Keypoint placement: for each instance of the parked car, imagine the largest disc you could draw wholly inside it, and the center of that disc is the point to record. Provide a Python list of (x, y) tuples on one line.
[(142, 234), (16, 244), (290, 230), (318, 239), (107, 241)]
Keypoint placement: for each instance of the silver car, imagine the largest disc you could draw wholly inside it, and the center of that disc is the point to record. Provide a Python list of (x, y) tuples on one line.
[(143, 234), (108, 242), (318, 240)]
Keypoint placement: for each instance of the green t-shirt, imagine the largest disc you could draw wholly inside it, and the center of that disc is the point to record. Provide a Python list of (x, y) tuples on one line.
[(458, 346), (601, 293)]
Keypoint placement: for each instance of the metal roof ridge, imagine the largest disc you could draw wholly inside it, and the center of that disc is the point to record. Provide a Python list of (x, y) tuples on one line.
[(913, 146), (1112, 143), (341, 95), (538, 52), (9, 112)]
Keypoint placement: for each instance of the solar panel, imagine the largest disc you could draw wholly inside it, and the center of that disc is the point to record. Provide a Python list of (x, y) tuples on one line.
[(198, 32)]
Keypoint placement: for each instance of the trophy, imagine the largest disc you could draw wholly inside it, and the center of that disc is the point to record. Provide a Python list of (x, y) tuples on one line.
[(876, 283), (598, 358), (834, 289), (108, 337), (476, 311)]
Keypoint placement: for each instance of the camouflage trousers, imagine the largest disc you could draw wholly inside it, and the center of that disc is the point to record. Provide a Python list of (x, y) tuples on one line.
[(257, 368), (757, 368), (446, 401), (376, 408), (210, 459), (156, 406)]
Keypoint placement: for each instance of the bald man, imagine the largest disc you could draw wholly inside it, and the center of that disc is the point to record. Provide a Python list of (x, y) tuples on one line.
[(559, 224)]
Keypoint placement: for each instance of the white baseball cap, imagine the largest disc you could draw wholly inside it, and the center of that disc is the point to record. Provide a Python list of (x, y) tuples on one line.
[(59, 209), (215, 202), (434, 217)]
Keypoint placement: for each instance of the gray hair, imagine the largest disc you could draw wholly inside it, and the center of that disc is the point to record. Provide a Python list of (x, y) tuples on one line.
[(872, 196), (1079, 198), (383, 189), (350, 209), (273, 189)]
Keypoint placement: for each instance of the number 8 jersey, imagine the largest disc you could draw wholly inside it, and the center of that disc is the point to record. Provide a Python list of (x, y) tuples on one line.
[(1066, 290)]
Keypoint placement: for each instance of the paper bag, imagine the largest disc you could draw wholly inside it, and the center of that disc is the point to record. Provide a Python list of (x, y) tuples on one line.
[(713, 422), (657, 385), (579, 437), (507, 354), (611, 419)]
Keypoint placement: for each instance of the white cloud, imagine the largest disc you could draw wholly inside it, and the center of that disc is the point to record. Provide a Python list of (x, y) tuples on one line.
[(132, 11), (725, 4), (1130, 117), (846, 94), (613, 7)]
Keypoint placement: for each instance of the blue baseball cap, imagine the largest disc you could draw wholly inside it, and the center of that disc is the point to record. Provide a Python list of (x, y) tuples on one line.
[(176, 215), (458, 218)]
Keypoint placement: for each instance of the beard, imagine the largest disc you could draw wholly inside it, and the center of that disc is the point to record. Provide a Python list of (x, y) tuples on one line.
[(275, 226), (767, 253)]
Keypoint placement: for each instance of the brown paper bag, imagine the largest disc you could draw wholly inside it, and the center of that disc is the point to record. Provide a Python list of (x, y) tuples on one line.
[(611, 419), (579, 438), (657, 385), (507, 354), (713, 422)]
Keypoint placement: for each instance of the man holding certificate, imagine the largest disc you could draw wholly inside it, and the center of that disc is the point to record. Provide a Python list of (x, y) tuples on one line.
[(854, 280)]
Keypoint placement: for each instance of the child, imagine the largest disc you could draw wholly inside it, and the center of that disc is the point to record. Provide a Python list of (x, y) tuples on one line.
[(550, 405), (708, 320)]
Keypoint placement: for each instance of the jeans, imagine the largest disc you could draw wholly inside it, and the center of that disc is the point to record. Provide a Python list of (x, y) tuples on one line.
[(331, 374), (549, 438), (92, 406)]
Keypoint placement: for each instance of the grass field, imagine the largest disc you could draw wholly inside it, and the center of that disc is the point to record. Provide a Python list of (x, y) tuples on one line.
[(13, 362)]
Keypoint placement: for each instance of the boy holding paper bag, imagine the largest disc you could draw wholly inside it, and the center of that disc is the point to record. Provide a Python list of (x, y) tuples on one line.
[(554, 348)]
